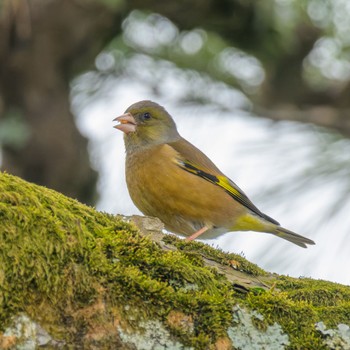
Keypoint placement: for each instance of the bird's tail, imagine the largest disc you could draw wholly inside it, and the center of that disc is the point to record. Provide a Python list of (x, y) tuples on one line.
[(292, 237)]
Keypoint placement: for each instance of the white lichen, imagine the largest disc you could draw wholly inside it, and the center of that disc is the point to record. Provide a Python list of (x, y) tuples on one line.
[(28, 334), (335, 338), (152, 336), (245, 336)]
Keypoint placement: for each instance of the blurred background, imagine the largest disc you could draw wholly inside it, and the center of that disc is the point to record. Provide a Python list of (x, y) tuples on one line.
[(262, 87)]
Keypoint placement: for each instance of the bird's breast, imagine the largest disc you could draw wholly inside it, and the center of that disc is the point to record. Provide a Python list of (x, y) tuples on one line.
[(185, 202)]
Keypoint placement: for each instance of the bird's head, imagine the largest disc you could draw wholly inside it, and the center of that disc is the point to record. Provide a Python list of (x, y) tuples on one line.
[(146, 124)]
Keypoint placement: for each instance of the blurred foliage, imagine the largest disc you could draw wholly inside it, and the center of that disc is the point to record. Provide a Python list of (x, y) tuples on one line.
[(13, 130), (275, 67)]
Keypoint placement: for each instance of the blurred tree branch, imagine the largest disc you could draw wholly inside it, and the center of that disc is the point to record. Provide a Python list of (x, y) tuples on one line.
[(322, 115)]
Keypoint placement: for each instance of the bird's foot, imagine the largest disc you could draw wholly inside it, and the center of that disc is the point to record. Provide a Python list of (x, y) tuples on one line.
[(197, 234)]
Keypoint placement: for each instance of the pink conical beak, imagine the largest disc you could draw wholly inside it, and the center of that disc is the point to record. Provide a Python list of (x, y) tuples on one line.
[(127, 123)]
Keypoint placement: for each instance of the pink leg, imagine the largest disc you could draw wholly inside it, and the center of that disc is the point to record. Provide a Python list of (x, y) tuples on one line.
[(198, 233)]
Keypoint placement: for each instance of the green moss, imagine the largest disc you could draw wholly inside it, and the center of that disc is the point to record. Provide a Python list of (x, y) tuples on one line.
[(216, 254), (76, 270), (58, 252), (319, 293), (331, 301)]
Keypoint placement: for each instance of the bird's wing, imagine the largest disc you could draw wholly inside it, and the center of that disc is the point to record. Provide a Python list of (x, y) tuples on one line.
[(194, 161)]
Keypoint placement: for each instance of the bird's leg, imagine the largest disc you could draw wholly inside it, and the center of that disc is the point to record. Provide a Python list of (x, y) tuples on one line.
[(198, 233)]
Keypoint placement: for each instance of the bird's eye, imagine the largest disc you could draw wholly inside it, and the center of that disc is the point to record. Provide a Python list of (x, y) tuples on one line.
[(146, 116)]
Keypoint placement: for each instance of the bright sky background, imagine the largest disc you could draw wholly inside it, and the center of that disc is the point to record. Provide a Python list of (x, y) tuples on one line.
[(253, 152)]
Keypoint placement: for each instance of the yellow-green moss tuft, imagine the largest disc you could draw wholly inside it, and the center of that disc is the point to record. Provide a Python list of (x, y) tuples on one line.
[(216, 254)]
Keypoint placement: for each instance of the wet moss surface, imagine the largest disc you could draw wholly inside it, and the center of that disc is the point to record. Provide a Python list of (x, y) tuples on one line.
[(86, 275)]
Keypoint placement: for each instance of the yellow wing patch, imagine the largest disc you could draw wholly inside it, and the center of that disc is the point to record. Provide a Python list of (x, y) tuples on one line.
[(226, 184)]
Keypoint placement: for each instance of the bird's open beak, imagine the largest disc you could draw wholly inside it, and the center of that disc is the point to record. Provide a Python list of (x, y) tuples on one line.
[(127, 123)]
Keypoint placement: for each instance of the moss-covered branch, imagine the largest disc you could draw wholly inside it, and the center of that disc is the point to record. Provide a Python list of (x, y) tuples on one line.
[(72, 276)]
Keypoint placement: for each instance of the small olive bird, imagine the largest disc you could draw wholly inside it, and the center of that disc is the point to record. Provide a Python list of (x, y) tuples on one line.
[(169, 178)]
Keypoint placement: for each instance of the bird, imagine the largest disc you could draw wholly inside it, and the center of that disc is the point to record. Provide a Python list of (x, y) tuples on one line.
[(169, 178)]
